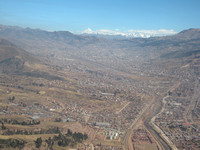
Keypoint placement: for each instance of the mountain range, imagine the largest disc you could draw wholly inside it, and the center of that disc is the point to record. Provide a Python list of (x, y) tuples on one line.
[(63, 44), (116, 34)]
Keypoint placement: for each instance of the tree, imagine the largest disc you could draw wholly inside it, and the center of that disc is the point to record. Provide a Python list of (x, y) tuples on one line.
[(58, 120), (26, 132), (169, 93), (15, 143), (85, 136), (69, 132), (11, 99), (63, 142), (3, 126), (49, 142), (38, 142)]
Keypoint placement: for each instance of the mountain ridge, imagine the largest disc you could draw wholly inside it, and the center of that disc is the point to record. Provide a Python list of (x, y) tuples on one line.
[(45, 43), (56, 34)]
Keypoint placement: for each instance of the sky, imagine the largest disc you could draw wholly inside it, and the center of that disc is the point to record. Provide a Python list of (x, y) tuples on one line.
[(116, 15)]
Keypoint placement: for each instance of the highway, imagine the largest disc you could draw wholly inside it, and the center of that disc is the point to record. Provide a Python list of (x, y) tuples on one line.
[(127, 137), (150, 111), (148, 115), (154, 111)]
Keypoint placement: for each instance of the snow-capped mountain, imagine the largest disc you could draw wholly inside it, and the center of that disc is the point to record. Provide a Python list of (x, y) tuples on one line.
[(129, 33)]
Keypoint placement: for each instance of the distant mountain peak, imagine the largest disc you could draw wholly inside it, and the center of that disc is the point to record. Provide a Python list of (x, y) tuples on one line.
[(129, 33)]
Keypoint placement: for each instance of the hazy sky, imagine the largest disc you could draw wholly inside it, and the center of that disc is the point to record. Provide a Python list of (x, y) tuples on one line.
[(78, 15)]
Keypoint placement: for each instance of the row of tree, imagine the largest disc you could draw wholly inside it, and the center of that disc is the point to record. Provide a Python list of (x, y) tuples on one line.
[(63, 139), (14, 121), (69, 139), (14, 143), (55, 130)]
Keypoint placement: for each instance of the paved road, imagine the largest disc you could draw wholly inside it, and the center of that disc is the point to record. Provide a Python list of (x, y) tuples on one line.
[(123, 107)]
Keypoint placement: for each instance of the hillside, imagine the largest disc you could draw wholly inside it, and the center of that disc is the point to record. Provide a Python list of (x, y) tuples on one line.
[(102, 88), (13, 59), (41, 42), (44, 43)]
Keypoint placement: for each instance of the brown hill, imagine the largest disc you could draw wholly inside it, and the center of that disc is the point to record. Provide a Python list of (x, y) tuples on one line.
[(14, 60)]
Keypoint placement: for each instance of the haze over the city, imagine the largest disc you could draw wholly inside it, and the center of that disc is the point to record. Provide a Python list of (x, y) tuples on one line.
[(100, 74)]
